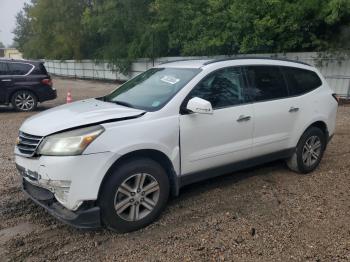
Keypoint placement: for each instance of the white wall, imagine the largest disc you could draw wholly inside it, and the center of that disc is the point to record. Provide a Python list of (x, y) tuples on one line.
[(12, 53), (337, 73)]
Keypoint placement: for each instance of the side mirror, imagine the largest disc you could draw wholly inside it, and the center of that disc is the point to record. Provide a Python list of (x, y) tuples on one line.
[(199, 105)]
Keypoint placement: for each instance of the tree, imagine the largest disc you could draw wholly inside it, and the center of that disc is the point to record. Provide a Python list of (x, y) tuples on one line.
[(228, 27), (121, 30), (52, 29), (2, 45), (13, 45)]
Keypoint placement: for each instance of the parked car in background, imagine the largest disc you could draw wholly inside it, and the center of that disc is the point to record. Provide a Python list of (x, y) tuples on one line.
[(115, 160), (24, 84)]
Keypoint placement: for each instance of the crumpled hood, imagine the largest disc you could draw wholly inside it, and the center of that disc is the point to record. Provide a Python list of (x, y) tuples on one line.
[(76, 114)]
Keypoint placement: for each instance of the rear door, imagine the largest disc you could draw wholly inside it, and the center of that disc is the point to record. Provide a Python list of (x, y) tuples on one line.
[(274, 109), (224, 137), (19, 74), (5, 81)]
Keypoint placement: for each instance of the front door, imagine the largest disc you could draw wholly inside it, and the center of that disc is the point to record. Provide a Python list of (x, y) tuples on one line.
[(224, 137)]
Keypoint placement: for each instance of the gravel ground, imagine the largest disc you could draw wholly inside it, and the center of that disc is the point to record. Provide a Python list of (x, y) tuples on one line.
[(267, 213)]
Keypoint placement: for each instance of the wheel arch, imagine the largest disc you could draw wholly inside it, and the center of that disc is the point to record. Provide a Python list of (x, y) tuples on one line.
[(321, 125), (153, 154), (294, 161), (10, 94), (318, 122)]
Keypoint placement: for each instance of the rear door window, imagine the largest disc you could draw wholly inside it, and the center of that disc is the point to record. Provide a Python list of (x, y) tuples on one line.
[(3, 69), (265, 83), (301, 81), (19, 68)]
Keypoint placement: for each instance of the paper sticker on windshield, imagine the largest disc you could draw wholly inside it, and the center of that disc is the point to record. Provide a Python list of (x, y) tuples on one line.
[(155, 103), (170, 80)]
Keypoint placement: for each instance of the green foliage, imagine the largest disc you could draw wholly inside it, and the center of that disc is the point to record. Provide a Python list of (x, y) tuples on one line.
[(117, 29), (2, 45), (52, 29), (121, 30), (229, 27)]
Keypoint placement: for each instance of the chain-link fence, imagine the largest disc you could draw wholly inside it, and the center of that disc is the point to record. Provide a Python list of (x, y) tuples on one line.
[(337, 73)]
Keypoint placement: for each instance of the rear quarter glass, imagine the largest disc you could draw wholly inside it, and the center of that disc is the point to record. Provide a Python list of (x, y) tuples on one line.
[(301, 81), (39, 70)]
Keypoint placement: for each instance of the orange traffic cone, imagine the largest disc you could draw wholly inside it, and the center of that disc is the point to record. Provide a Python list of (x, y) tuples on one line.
[(69, 97)]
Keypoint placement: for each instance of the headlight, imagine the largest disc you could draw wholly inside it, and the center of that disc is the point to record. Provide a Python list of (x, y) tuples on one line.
[(69, 143)]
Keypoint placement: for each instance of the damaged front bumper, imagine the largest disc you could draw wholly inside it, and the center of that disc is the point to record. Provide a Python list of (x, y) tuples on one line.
[(85, 217)]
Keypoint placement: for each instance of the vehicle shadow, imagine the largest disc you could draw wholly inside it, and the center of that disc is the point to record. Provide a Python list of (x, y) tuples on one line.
[(228, 180), (195, 190), (10, 109)]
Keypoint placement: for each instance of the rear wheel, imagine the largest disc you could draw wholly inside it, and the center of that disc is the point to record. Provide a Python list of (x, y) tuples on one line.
[(309, 151), (134, 195), (24, 101)]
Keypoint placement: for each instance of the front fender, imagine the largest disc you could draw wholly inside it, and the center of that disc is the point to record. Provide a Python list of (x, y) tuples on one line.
[(173, 154)]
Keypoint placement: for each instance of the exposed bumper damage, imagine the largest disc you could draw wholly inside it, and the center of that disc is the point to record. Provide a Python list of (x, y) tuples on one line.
[(84, 217)]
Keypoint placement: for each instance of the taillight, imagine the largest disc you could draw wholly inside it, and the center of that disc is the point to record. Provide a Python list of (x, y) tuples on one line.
[(336, 97), (47, 81)]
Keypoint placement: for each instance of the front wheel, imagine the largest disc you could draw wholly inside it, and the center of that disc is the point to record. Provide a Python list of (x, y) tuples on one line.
[(134, 195), (24, 101), (309, 151)]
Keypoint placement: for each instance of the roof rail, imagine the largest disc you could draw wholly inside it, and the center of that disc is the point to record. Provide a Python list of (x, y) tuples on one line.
[(253, 57), (182, 60)]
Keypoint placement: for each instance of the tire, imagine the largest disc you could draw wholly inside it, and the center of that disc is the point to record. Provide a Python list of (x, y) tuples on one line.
[(120, 198), (24, 101), (303, 160)]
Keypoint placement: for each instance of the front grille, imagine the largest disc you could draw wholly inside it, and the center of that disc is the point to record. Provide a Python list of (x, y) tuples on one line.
[(27, 143)]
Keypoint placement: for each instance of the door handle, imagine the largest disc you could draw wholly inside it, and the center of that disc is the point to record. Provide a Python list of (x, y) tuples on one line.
[(293, 109), (243, 118), (6, 80)]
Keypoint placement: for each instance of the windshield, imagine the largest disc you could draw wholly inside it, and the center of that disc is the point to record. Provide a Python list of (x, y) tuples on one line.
[(152, 89)]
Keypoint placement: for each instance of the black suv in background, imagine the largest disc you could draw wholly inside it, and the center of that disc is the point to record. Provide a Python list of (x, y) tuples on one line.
[(24, 83)]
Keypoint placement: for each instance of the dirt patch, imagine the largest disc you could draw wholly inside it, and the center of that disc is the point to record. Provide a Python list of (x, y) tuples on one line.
[(267, 213)]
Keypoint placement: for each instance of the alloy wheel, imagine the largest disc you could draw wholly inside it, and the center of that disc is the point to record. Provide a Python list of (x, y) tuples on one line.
[(24, 101), (136, 197), (312, 151)]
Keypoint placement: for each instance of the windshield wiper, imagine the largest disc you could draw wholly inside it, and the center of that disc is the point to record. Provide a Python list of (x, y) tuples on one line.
[(102, 98), (122, 103)]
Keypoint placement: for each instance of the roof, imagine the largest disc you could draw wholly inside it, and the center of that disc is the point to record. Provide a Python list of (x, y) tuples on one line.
[(199, 63)]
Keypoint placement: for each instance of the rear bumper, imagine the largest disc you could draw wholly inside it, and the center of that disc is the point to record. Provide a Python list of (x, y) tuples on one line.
[(47, 94), (84, 217)]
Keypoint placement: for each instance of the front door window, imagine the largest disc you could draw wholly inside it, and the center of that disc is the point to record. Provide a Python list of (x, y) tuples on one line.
[(222, 88)]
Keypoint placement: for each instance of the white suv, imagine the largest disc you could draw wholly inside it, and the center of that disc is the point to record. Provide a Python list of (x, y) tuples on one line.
[(115, 160)]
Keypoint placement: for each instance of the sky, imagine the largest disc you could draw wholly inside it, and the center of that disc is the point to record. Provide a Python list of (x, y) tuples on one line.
[(8, 11)]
